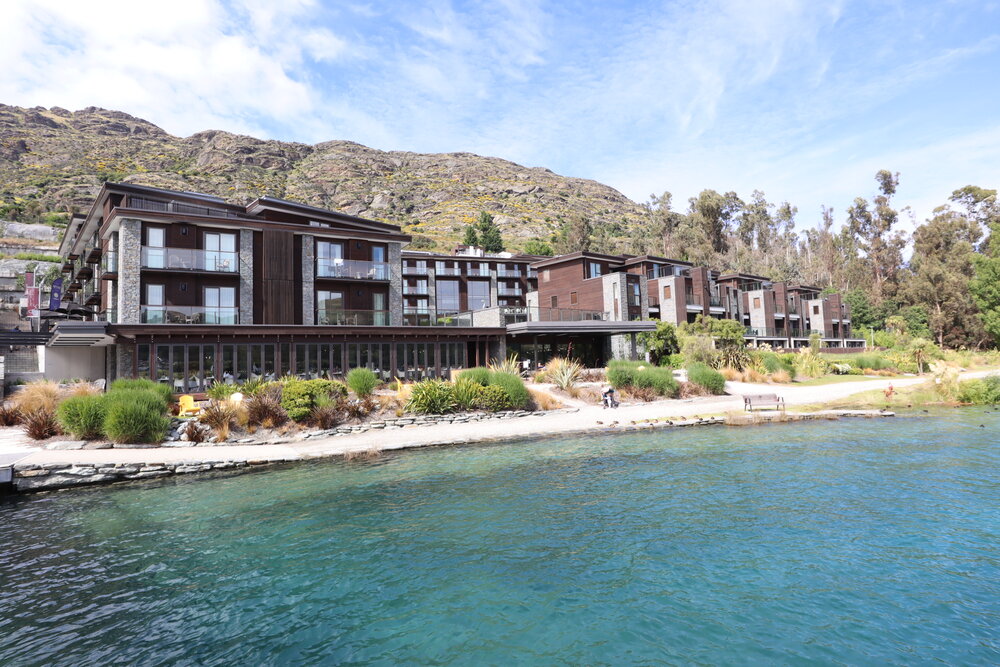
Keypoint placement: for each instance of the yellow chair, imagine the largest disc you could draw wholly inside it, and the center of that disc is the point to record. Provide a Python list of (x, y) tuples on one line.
[(187, 406)]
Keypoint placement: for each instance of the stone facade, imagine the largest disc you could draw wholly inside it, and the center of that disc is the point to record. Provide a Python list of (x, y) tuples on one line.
[(124, 355), (129, 256), (308, 279), (432, 293), (246, 276), (395, 284)]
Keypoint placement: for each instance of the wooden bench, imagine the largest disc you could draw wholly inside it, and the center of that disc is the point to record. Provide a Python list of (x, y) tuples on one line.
[(760, 400)]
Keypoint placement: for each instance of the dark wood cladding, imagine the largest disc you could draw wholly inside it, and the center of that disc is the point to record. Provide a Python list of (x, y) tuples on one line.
[(565, 279), (277, 278)]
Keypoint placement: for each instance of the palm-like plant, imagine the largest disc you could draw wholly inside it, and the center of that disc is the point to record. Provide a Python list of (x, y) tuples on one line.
[(509, 366), (564, 373)]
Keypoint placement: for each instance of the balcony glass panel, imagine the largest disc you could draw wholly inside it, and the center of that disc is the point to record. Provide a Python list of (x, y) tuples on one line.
[(353, 269), (367, 318), (192, 260), (512, 314), (189, 315)]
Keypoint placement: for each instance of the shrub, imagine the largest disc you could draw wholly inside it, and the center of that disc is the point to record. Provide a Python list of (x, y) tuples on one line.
[(358, 408), (509, 366), (808, 364), (40, 424), (265, 410), (220, 391), (431, 397), (328, 412), (781, 377), (514, 386), (135, 415), (699, 348), (494, 398), (564, 373), (83, 416), (254, 386), (298, 397), (673, 361), (362, 381), (466, 394), (980, 392), (144, 384), (220, 416), (479, 375), (10, 415), (660, 380), (35, 396), (707, 378), (644, 394), (621, 374)]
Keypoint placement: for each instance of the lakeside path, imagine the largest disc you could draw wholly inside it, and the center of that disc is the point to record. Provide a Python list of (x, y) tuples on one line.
[(14, 446)]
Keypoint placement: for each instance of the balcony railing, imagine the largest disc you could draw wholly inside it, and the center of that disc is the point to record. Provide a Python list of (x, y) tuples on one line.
[(509, 291), (353, 318), (478, 272), (693, 300), (512, 314), (189, 315), (415, 290), (448, 271), (189, 259), (508, 273), (351, 269), (109, 262), (766, 332), (415, 270), (424, 318), (108, 315), (714, 302), (665, 272)]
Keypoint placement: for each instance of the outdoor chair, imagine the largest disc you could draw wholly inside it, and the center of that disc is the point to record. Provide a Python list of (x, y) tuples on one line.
[(187, 406)]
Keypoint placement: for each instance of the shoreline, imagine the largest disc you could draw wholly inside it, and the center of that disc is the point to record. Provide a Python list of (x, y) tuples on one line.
[(47, 470)]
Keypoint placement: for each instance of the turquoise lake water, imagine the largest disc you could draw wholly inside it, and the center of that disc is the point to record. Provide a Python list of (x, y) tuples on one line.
[(852, 542)]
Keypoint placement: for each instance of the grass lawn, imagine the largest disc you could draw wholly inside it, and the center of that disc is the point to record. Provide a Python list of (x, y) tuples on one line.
[(836, 379)]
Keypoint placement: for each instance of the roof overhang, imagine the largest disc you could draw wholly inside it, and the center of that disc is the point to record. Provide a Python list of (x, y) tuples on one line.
[(584, 327), (74, 333)]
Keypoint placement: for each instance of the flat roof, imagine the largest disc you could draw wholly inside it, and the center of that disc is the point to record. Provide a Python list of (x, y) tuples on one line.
[(582, 327)]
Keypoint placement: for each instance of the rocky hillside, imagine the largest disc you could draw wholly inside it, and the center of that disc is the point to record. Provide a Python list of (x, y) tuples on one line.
[(52, 160)]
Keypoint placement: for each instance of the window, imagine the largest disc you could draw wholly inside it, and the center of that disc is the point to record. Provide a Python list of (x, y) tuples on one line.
[(448, 296), (156, 255), (378, 253), (554, 301), (220, 305), (329, 307), (545, 275), (155, 237), (666, 293), (594, 269), (573, 298), (479, 294), (154, 295), (380, 317), (634, 295), (756, 302), (815, 310), (220, 251), (381, 271)]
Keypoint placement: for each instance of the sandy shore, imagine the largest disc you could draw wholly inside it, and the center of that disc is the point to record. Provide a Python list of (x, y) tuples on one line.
[(14, 446)]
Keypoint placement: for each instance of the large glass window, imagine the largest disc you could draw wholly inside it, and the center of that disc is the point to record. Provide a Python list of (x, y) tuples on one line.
[(479, 294), (447, 296), (155, 311), (220, 251), (593, 269), (220, 305), (156, 255), (380, 316), (329, 307)]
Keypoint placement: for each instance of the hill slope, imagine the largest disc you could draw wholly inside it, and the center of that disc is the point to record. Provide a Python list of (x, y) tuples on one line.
[(52, 160)]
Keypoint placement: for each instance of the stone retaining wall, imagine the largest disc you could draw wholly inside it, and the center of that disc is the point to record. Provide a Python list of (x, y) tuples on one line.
[(423, 420), (44, 476)]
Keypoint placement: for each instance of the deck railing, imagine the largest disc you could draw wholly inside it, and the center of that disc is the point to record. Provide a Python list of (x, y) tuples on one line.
[(353, 269), (353, 318), (189, 315), (189, 259)]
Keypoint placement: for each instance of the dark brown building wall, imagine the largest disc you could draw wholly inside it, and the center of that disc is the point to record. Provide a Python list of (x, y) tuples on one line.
[(277, 278), (567, 278)]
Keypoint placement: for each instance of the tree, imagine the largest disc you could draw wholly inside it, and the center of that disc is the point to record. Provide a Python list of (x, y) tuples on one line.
[(471, 238), (872, 227), (489, 234), (661, 342), (420, 242), (574, 236), (536, 247), (921, 349), (938, 279), (985, 286)]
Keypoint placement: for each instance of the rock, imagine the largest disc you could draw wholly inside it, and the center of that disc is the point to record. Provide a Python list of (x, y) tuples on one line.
[(135, 445), (149, 474), (56, 481), (243, 441), (81, 472), (192, 468), (98, 445), (32, 473), (66, 444)]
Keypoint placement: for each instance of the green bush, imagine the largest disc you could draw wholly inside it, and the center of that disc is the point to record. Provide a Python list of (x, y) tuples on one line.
[(466, 394), (254, 386), (83, 416), (660, 380), (432, 397), (494, 398), (362, 381), (143, 384), (514, 386), (298, 397), (874, 362), (220, 391), (707, 378), (674, 361), (134, 415), (980, 392), (480, 375), (621, 374)]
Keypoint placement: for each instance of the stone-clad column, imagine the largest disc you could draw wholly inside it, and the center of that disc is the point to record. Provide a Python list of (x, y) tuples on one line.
[(396, 284), (494, 286), (644, 296), (432, 293), (308, 279), (246, 276), (129, 292)]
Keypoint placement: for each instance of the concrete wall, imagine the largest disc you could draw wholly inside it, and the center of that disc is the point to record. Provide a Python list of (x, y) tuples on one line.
[(63, 363)]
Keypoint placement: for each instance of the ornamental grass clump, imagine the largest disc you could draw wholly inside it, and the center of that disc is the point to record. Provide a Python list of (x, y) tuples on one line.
[(143, 384), (362, 381), (34, 396), (264, 410), (40, 424), (563, 373), (220, 416), (328, 412), (707, 378), (808, 364), (477, 374), (514, 387), (509, 366), (221, 391), (83, 416), (10, 415), (135, 416), (621, 374), (466, 394), (432, 397)]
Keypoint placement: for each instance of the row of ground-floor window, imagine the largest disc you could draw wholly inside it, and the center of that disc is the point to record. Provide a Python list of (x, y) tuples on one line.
[(194, 368)]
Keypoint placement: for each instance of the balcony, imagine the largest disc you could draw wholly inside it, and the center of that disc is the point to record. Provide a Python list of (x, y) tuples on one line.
[(415, 270), (509, 291), (185, 259), (94, 255), (478, 272), (693, 301), (351, 269), (512, 314), (766, 332), (189, 315), (662, 271), (448, 271), (109, 265), (714, 302), (508, 273), (353, 318), (415, 290), (417, 317)]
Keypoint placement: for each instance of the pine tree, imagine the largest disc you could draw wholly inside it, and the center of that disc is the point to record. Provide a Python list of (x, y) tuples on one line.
[(471, 238), (489, 234)]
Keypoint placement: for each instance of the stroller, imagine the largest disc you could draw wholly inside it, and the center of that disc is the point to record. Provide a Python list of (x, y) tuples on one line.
[(608, 398)]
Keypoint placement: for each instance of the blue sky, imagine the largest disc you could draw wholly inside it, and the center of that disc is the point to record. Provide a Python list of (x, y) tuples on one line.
[(802, 100)]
